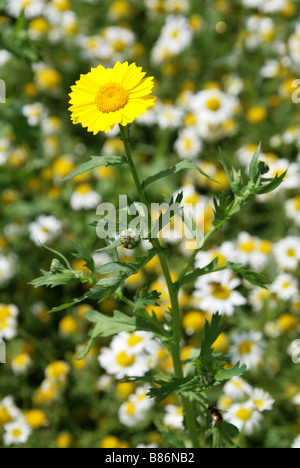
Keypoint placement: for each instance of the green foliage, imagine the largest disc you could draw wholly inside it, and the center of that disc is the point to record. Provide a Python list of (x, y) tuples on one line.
[(182, 165), (96, 161)]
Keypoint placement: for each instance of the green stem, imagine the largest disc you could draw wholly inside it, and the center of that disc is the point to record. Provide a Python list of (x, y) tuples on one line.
[(173, 294)]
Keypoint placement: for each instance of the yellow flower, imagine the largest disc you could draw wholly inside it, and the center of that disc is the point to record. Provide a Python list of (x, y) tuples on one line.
[(108, 96), (256, 114), (64, 440), (36, 418)]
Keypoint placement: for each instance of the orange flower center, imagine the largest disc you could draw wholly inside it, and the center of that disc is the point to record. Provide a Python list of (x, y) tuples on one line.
[(111, 97)]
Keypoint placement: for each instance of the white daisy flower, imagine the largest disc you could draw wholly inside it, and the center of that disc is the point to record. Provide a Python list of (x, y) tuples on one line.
[(296, 443), (20, 363), (213, 106), (8, 328), (287, 253), (8, 410), (237, 388), (8, 268), (135, 409), (4, 150), (35, 113), (285, 286), (188, 144), (169, 116), (216, 292), (31, 8), (84, 197), (257, 297), (247, 347), (173, 417), (115, 361), (44, 229), (292, 209), (294, 44), (129, 414), (244, 416), (16, 432), (135, 342), (225, 253), (5, 56), (261, 400), (119, 42), (177, 6), (105, 383), (176, 34)]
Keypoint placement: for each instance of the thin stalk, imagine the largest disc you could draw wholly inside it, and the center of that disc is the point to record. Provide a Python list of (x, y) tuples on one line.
[(173, 294)]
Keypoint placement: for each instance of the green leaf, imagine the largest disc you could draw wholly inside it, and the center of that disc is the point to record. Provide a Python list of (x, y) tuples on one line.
[(52, 280), (111, 325), (86, 349), (226, 374), (116, 243), (269, 187), (118, 267), (96, 161), (83, 254), (166, 388), (222, 208), (182, 165), (190, 277), (254, 172), (67, 305), (257, 279), (141, 299), (211, 332), (59, 254)]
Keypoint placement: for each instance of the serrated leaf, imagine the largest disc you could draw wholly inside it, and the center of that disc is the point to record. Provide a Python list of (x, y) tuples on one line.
[(83, 254), (182, 165), (111, 325), (222, 208), (226, 374), (269, 187), (57, 279), (96, 161), (165, 388), (141, 299), (211, 332)]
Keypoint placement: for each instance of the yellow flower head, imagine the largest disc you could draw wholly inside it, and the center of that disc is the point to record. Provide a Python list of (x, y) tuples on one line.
[(108, 96)]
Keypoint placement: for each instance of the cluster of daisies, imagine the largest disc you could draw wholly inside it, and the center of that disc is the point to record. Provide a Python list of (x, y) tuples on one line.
[(244, 404)]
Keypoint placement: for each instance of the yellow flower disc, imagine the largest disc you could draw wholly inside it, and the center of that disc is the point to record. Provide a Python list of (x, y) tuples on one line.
[(105, 97)]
